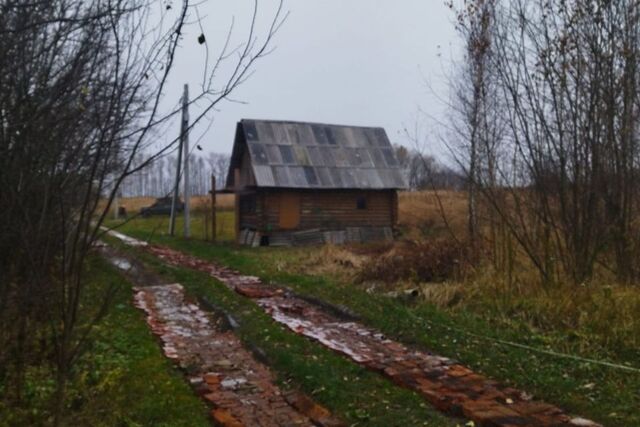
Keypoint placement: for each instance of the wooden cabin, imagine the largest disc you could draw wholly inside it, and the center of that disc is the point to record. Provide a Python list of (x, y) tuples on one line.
[(308, 183)]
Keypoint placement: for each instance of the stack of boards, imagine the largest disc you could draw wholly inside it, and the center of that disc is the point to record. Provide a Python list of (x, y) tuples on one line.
[(318, 237)]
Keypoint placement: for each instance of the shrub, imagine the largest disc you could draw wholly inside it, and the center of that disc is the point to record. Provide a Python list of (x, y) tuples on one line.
[(426, 261)]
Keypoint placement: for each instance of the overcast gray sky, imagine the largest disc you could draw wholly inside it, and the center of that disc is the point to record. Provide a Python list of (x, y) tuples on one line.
[(356, 62)]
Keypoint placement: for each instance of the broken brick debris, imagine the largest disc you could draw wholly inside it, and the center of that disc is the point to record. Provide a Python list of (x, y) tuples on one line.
[(240, 389), (449, 386)]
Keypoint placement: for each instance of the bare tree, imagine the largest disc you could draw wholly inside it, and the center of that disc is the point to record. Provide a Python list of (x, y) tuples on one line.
[(81, 85), (218, 166), (566, 74), (475, 127)]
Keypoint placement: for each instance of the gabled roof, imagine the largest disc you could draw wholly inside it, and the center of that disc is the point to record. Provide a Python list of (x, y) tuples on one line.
[(316, 156)]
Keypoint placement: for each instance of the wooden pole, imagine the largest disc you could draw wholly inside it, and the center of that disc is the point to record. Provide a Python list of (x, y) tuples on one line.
[(174, 200), (236, 184), (185, 168), (213, 208), (116, 207)]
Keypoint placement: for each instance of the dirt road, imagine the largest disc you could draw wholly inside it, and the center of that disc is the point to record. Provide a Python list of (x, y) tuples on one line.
[(240, 389)]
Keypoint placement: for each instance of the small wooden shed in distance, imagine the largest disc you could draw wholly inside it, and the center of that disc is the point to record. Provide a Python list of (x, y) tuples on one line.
[(308, 183)]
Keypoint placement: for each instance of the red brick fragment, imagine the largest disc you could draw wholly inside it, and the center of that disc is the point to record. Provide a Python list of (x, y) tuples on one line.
[(212, 379), (320, 415), (458, 371), (488, 412), (256, 291), (225, 419)]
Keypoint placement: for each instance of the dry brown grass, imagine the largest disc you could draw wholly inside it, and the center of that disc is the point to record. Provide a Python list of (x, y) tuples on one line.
[(420, 215), (223, 202)]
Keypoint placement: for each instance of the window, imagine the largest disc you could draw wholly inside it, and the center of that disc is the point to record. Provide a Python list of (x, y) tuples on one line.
[(361, 202)]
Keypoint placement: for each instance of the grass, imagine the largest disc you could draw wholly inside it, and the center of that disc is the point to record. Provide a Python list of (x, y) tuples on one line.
[(351, 392), (121, 380), (420, 213), (607, 395), (200, 225)]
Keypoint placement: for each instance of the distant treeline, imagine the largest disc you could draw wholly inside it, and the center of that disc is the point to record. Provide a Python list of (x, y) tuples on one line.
[(158, 178), (427, 172)]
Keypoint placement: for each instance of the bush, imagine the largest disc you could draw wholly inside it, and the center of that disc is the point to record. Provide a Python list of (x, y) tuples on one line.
[(427, 261)]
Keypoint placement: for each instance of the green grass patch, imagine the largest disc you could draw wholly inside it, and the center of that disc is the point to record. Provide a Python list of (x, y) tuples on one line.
[(121, 380), (200, 225), (608, 395)]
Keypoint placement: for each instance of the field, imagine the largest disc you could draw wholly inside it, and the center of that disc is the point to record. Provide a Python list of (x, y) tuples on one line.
[(422, 213)]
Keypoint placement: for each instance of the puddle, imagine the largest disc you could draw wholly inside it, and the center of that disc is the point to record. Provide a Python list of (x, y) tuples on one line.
[(242, 391), (122, 263), (126, 239)]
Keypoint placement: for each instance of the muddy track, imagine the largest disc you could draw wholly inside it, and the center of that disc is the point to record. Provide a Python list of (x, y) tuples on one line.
[(449, 386), (241, 390)]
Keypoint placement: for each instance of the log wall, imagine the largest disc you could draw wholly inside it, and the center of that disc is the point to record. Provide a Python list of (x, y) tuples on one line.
[(322, 209)]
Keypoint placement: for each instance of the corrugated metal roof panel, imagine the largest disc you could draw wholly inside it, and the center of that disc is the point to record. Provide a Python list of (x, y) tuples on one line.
[(273, 154), (301, 156), (265, 133), (292, 133), (340, 157), (389, 157), (336, 176), (381, 137), (399, 178), (378, 158), (250, 131), (320, 134), (368, 178), (348, 138), (324, 175), (264, 175), (281, 174), (365, 158), (394, 176), (353, 157), (306, 135), (314, 155), (258, 153), (281, 135), (327, 156), (311, 176), (332, 138), (348, 178), (286, 153), (298, 178)]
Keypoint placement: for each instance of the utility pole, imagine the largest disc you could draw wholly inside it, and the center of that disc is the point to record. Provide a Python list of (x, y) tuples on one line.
[(213, 208), (116, 206), (185, 139), (183, 129)]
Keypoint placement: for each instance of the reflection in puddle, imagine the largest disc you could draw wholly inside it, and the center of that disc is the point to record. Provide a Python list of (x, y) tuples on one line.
[(121, 263)]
